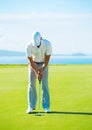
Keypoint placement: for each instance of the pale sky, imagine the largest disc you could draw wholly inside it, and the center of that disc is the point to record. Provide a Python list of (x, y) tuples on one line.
[(67, 24)]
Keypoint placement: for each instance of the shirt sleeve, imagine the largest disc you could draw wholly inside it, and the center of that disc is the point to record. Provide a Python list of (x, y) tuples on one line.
[(29, 51), (49, 49)]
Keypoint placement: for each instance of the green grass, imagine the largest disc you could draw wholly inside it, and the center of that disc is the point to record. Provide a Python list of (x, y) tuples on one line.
[(71, 99)]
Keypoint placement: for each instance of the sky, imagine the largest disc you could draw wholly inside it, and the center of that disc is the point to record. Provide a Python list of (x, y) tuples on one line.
[(67, 24)]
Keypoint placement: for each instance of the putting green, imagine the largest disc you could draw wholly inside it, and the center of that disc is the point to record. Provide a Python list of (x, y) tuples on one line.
[(71, 99)]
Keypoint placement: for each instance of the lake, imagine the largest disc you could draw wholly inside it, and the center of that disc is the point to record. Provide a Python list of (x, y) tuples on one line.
[(54, 60)]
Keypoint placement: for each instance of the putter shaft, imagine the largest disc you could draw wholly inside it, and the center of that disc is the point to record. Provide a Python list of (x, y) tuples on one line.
[(39, 97)]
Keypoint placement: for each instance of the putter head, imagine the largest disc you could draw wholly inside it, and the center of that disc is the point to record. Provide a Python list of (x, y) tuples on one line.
[(38, 114)]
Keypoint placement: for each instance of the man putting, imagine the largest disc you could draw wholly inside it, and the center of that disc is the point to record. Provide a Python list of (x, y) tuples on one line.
[(38, 52)]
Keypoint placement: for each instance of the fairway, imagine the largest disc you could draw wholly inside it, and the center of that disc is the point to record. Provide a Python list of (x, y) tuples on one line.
[(71, 99)]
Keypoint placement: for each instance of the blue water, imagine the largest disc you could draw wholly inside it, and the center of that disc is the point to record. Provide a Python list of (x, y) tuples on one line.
[(71, 60), (53, 60)]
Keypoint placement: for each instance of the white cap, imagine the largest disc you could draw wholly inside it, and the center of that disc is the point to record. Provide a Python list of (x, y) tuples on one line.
[(36, 38)]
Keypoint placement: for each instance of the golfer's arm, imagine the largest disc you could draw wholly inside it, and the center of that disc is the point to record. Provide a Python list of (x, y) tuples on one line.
[(32, 64), (47, 58)]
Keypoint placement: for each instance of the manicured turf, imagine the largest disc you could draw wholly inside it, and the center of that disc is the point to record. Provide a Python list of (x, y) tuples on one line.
[(71, 99)]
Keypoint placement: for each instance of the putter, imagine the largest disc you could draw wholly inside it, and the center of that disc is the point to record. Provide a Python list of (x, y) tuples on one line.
[(39, 113)]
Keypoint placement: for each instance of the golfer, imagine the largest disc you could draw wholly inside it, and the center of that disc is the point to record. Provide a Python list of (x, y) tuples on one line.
[(38, 52)]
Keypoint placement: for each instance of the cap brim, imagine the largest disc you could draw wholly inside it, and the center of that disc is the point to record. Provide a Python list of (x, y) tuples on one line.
[(36, 44)]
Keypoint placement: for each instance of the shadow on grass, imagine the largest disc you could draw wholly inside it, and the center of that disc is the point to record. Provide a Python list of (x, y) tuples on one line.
[(71, 113), (65, 113)]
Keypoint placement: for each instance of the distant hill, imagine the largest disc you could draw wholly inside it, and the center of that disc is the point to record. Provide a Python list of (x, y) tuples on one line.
[(17, 53), (79, 54), (11, 53)]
